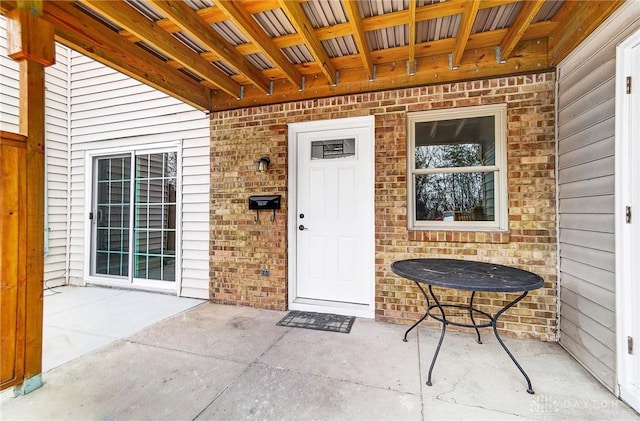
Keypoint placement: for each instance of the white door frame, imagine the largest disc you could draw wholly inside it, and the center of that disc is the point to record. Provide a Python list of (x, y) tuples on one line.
[(359, 310), (626, 245), (89, 167)]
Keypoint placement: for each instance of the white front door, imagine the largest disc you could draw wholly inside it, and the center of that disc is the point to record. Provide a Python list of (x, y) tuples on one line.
[(628, 220), (333, 217)]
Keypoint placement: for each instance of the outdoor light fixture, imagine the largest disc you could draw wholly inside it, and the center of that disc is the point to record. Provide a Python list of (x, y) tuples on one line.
[(262, 164)]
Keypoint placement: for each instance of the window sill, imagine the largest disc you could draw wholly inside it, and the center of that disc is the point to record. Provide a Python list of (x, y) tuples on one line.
[(497, 237)]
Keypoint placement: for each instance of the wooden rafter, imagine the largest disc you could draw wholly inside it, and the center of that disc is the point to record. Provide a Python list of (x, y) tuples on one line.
[(183, 75), (527, 12), (79, 31), (127, 17), (245, 22), (412, 38), (423, 49), (541, 29), (434, 69), (213, 15), (468, 16), (189, 21), (353, 13), (303, 26)]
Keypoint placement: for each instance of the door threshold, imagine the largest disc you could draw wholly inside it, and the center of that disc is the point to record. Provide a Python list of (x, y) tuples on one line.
[(161, 289), (334, 307)]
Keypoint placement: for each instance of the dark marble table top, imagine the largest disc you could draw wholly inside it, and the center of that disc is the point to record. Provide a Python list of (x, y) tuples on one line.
[(467, 275)]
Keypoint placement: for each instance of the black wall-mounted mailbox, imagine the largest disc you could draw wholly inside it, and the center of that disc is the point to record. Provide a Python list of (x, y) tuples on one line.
[(264, 202)]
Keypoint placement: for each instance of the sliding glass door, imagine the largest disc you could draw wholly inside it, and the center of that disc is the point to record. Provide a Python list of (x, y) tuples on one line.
[(111, 216), (134, 229), (154, 225)]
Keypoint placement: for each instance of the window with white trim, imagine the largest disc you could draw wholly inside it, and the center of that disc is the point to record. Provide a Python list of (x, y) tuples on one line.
[(457, 169)]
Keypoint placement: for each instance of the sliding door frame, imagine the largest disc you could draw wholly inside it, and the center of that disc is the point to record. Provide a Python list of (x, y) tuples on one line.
[(129, 282)]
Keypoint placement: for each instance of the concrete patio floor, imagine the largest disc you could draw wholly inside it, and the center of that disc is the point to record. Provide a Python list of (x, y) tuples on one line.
[(124, 355)]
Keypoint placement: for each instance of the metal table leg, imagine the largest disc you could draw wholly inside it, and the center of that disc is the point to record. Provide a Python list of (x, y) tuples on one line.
[(443, 319), (426, 313), (473, 322), (495, 331), (444, 329)]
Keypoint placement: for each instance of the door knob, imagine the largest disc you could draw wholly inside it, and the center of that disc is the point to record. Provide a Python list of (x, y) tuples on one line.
[(302, 228)]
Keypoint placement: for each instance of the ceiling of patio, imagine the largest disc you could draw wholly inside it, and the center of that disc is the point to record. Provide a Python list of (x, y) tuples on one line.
[(226, 54)]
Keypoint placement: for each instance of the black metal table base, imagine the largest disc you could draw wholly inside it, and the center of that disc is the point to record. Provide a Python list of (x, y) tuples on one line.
[(442, 318)]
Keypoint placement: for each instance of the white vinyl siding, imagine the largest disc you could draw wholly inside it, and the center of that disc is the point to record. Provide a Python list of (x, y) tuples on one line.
[(586, 112), (56, 135), (57, 151), (9, 76), (111, 110)]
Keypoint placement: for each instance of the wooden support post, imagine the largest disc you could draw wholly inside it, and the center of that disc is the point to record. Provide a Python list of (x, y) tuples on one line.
[(31, 42)]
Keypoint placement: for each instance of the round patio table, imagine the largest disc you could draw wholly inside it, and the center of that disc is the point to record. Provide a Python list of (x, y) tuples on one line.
[(471, 276)]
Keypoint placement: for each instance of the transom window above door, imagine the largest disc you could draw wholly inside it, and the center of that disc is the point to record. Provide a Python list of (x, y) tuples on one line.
[(457, 169)]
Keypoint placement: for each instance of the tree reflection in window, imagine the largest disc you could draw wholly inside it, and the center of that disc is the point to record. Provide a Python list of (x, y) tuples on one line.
[(457, 161), (460, 196)]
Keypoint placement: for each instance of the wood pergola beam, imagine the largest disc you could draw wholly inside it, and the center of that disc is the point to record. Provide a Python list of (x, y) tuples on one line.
[(475, 64), (412, 38), (213, 15), (468, 17), (127, 17), (517, 29), (353, 13), (189, 21), (303, 27), (245, 22), (585, 17), (78, 31)]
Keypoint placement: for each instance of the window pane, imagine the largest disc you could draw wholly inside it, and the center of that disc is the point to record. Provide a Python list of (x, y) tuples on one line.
[(171, 165), (170, 190), (142, 166), (156, 165), (102, 262), (141, 241), (142, 191), (455, 143), (455, 197), (140, 266), (156, 216), (112, 215), (169, 242), (169, 268), (333, 149), (449, 156), (155, 190)]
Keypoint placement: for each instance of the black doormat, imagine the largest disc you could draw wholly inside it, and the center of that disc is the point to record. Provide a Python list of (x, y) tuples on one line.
[(318, 321)]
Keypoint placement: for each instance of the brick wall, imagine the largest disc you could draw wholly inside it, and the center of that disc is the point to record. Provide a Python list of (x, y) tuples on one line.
[(240, 247)]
